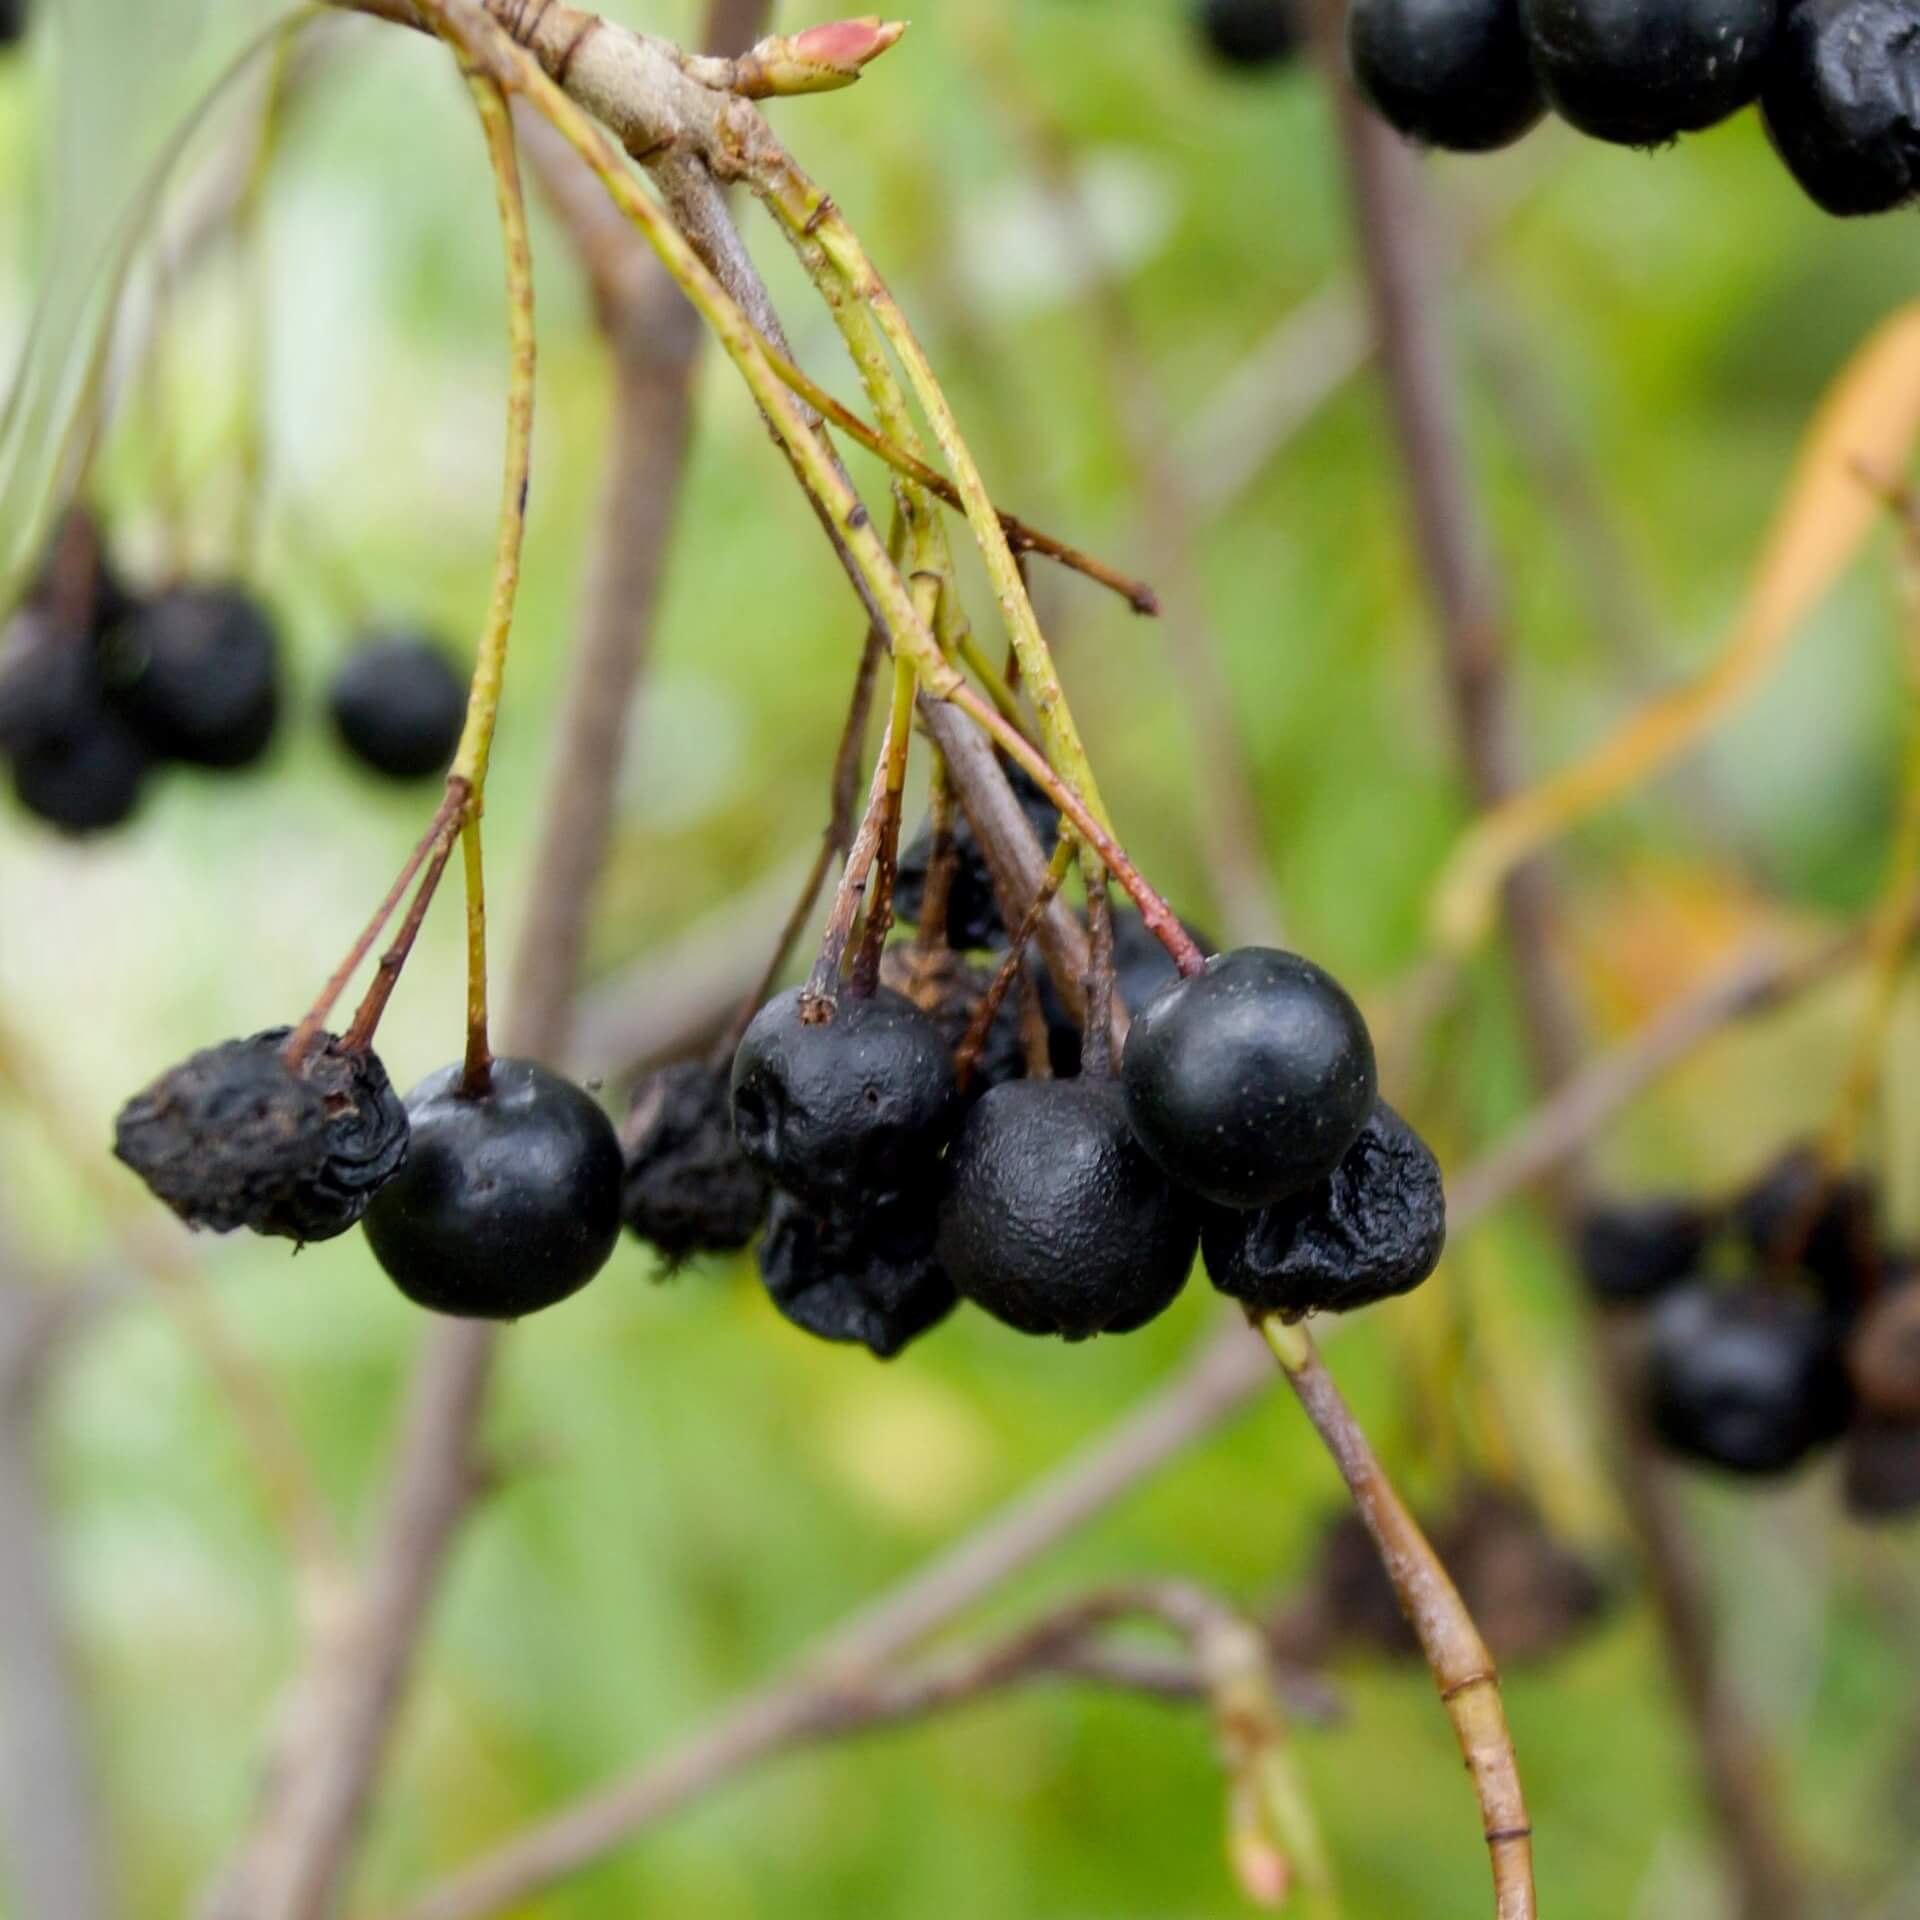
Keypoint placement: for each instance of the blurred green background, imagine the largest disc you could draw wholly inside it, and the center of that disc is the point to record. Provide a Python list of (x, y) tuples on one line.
[(693, 1489)]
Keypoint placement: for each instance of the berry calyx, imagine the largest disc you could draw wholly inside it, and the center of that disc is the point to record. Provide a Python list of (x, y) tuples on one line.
[(1373, 1228), (1842, 102), (509, 1201), (199, 676), (398, 705), (865, 1276), (1054, 1220), (1447, 73), (844, 1101), (689, 1188), (1641, 72), (1249, 1081), (1632, 1250), (1249, 33), (1745, 1377), (235, 1137)]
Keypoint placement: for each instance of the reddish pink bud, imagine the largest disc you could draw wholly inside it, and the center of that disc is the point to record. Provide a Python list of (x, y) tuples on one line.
[(817, 59)]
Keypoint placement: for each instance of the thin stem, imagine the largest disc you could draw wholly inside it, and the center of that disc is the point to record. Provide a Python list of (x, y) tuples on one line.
[(823, 984), (866, 969), (937, 891), (476, 1075), (366, 1019), (1462, 1668), (967, 1056)]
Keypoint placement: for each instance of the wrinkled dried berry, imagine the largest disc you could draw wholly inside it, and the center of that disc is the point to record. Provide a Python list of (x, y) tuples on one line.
[(234, 1137), (850, 1106), (1248, 1082), (1745, 1377), (1447, 73), (398, 705), (198, 673), (1794, 1217), (1642, 72), (1842, 102), (949, 991), (1141, 967), (1249, 33), (1052, 1218), (1880, 1468), (1374, 1228), (1883, 1354), (508, 1202), (973, 913), (866, 1276), (689, 1188), (1631, 1250)]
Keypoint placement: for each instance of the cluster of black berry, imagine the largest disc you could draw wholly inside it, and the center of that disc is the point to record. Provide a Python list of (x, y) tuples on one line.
[(100, 686), (1776, 1323), (1059, 1197), (1837, 81)]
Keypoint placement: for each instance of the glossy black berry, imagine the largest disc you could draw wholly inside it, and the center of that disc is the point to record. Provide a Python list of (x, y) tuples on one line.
[(1053, 1220), (689, 1187), (1642, 72), (1745, 1377), (1141, 967), (1249, 1081), (1447, 73), (235, 1137), (973, 912), (1631, 1250), (1842, 102), (1249, 33), (1795, 1217), (867, 1276), (507, 1203), (398, 706), (1880, 1468), (1373, 1228), (844, 1101), (197, 671)]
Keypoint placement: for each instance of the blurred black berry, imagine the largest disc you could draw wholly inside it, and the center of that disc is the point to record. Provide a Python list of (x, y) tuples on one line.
[(1249, 33), (1797, 1217), (1841, 102), (1373, 1228), (689, 1188), (1880, 1468), (1883, 1353), (864, 1275), (1631, 1250), (1446, 73), (197, 671), (398, 705)]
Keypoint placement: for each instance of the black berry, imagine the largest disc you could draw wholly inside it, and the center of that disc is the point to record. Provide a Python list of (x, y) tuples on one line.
[(507, 1203), (1842, 102), (1883, 1354), (1642, 72), (1797, 1217), (1249, 33), (1249, 1081), (13, 21), (1631, 1250), (973, 911), (235, 1137), (199, 675), (1447, 73), (867, 1276), (1880, 1468), (398, 706), (689, 1188), (843, 1101), (1052, 1218), (86, 778), (1373, 1228), (1746, 1377)]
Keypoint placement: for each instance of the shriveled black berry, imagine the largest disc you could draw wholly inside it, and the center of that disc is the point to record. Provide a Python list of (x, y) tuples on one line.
[(949, 990), (398, 705), (867, 1276), (1642, 72), (1052, 1218), (1745, 1377), (1631, 1250), (1249, 1081), (844, 1101), (689, 1187), (973, 913), (507, 1203), (1796, 1217), (1373, 1228), (1880, 1468), (1841, 102), (198, 674), (1447, 73), (1883, 1354), (1249, 33), (235, 1137), (1141, 967)]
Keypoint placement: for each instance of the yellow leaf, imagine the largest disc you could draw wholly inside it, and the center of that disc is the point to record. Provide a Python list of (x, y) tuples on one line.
[(1867, 424)]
